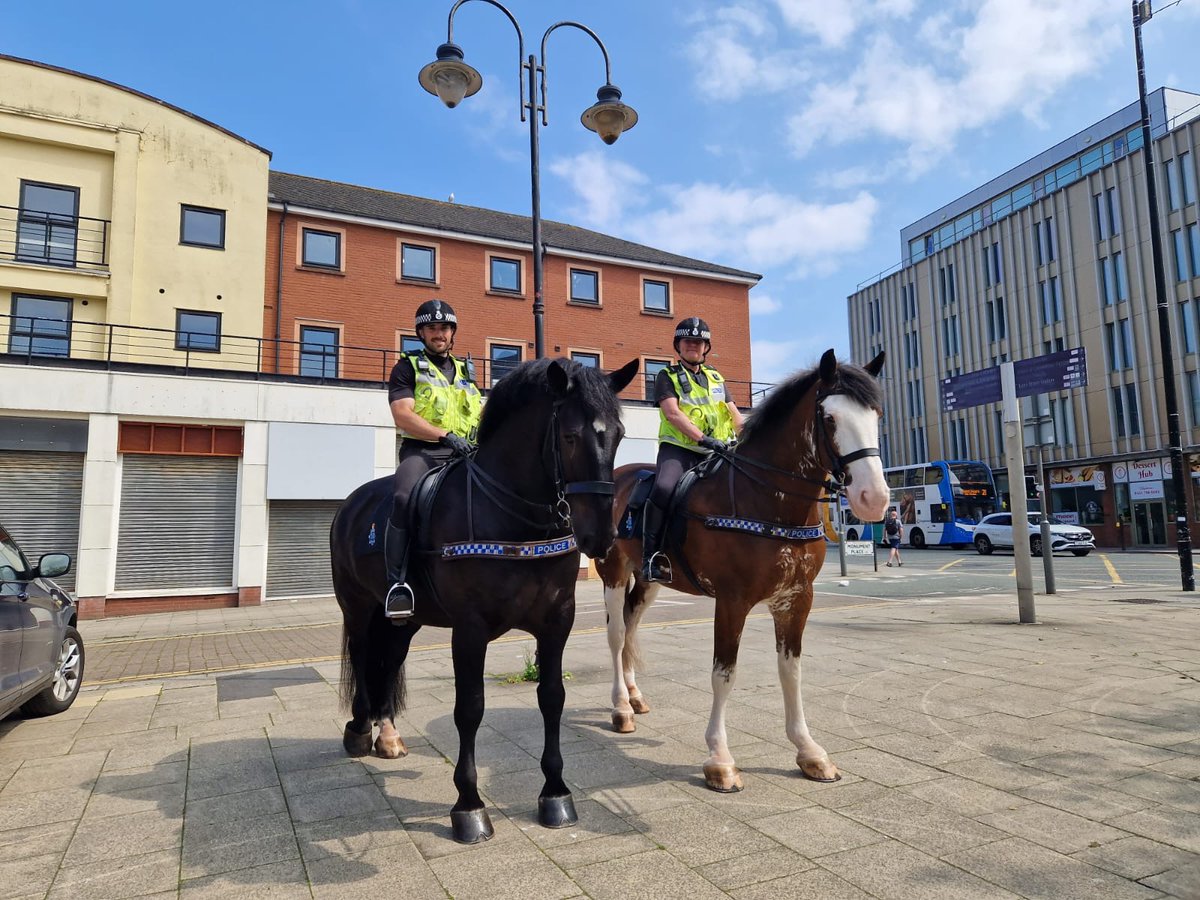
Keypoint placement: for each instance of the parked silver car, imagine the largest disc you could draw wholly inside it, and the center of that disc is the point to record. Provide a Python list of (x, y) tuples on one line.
[(41, 652), (996, 530)]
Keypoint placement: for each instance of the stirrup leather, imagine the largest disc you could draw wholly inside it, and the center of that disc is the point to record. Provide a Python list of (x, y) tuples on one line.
[(657, 569), (400, 602)]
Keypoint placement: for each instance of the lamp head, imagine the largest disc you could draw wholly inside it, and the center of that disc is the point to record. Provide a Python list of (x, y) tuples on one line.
[(608, 116), (449, 77)]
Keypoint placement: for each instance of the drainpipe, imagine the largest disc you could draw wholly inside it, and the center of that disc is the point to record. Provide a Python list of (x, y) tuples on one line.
[(279, 286)]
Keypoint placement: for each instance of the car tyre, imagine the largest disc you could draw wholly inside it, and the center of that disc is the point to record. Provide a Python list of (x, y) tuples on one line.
[(1081, 552), (983, 544), (1035, 545), (916, 539), (58, 696)]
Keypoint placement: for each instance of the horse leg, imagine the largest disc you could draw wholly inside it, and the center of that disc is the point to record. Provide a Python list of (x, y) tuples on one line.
[(556, 808), (614, 603), (811, 757), (720, 772), (394, 645), (468, 819), (641, 599), (356, 737)]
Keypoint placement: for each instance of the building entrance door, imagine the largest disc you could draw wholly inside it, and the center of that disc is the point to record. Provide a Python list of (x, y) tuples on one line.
[(1149, 523)]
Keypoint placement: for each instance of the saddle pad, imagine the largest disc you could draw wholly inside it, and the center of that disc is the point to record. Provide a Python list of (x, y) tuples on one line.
[(630, 525), (370, 540)]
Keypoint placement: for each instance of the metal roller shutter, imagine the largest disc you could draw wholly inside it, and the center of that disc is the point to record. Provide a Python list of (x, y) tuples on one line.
[(40, 499), (298, 548), (178, 522)]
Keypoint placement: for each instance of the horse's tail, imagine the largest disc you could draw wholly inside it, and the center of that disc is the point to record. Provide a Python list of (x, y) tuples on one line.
[(347, 684)]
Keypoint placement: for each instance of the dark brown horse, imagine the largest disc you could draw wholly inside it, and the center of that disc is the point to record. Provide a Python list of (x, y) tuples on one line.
[(748, 533), (499, 551)]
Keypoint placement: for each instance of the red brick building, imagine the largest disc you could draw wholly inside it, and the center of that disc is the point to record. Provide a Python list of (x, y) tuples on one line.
[(347, 267)]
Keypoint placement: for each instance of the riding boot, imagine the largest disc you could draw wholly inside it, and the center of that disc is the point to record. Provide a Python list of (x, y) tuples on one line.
[(399, 603), (655, 565)]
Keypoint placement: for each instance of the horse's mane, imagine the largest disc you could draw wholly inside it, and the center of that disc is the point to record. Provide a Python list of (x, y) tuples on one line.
[(853, 381), (528, 383)]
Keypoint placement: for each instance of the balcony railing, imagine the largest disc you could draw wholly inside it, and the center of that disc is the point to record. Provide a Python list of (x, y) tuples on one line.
[(50, 239), (35, 340)]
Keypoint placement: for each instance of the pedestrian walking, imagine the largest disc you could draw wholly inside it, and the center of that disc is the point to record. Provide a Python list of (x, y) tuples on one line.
[(894, 530)]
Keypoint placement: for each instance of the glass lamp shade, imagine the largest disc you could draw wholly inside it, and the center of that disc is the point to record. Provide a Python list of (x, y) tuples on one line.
[(609, 117), (449, 77)]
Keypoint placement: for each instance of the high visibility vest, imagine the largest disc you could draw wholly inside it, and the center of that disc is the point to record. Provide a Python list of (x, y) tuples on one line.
[(454, 406), (705, 407)]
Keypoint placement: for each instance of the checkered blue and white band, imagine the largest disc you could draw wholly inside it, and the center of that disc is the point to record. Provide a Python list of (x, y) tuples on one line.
[(766, 529), (507, 550)]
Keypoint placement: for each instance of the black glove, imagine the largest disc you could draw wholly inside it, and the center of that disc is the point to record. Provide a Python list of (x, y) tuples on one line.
[(457, 443), (714, 444)]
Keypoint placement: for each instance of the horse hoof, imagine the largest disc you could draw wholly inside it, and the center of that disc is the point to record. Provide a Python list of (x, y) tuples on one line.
[(557, 812), (639, 705), (356, 744), (471, 826), (623, 723), (821, 769), (390, 748), (724, 779)]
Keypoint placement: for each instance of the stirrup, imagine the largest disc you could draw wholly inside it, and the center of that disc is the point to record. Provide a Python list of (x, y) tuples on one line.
[(400, 602), (657, 569)]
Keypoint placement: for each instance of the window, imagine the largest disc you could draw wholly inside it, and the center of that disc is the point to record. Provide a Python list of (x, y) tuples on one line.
[(1118, 410), (318, 352), (202, 227), (1173, 193), (1101, 217), (41, 326), (656, 296), (322, 249), (1043, 240), (418, 263), (950, 342), (1187, 318), (1063, 414), (410, 343), (1183, 269), (1193, 232), (1189, 178), (946, 283), (1120, 345), (1051, 297), (1193, 382), (1114, 211), (585, 286), (918, 443), (505, 274), (1122, 283), (652, 367), (48, 223), (197, 331), (586, 358), (503, 358), (1131, 409)]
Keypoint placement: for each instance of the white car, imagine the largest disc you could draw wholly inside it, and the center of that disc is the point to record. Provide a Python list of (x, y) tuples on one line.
[(996, 531)]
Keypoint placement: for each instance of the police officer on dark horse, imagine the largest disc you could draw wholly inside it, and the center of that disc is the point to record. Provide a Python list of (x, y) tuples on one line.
[(696, 417), (436, 407)]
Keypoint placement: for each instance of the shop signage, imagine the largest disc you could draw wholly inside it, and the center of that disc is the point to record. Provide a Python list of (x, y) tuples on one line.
[(1077, 476), (1145, 470), (1146, 490)]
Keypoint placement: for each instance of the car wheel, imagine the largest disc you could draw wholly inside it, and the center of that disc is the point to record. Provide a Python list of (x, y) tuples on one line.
[(1035, 545), (916, 539), (1081, 552), (983, 544), (852, 535), (68, 676)]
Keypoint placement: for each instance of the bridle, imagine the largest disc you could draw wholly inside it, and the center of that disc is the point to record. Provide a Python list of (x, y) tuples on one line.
[(560, 508), (840, 476)]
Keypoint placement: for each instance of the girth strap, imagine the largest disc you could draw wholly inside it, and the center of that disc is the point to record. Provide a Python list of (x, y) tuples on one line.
[(766, 529), (509, 550)]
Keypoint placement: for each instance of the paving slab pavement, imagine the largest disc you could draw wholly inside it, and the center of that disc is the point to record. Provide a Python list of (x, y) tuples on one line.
[(980, 758)]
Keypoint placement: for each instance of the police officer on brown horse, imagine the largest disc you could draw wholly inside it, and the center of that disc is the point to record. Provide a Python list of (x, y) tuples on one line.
[(696, 417), (436, 407)]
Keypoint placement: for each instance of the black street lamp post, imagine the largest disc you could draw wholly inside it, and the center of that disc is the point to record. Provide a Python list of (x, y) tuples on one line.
[(452, 80), (1142, 13)]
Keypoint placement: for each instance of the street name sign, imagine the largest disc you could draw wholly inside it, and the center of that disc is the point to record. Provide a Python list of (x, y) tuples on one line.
[(971, 389), (1039, 375)]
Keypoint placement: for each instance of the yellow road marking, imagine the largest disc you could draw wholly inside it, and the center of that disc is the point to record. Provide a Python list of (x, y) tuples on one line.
[(949, 564), (445, 645), (1112, 572)]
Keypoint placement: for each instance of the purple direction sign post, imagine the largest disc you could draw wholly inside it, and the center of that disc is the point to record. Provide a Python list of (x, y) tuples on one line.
[(1052, 372), (971, 389)]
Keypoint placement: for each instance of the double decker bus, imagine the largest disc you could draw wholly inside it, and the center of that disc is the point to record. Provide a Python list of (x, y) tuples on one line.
[(939, 503)]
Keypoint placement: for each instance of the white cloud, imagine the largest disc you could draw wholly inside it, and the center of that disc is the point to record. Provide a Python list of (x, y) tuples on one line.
[(604, 186), (732, 58), (763, 304), (773, 361), (831, 22)]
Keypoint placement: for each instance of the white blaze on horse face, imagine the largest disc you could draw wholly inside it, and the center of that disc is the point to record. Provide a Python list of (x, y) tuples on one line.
[(855, 427), (600, 426)]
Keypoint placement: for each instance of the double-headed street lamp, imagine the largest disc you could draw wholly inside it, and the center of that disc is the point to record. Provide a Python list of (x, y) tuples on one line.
[(452, 80), (1142, 13)]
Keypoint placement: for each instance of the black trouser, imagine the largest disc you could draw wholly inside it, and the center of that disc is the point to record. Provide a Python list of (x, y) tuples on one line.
[(673, 461), (416, 458)]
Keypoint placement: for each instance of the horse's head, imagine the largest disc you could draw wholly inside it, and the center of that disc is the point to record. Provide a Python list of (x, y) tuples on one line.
[(849, 406), (589, 428)]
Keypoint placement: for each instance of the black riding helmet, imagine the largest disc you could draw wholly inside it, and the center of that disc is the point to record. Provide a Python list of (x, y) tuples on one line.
[(436, 312), (693, 327)]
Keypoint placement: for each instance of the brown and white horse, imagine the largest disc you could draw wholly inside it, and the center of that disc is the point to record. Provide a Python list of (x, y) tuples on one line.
[(747, 534)]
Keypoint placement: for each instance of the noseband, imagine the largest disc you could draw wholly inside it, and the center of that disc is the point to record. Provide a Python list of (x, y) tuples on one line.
[(838, 462), (564, 488)]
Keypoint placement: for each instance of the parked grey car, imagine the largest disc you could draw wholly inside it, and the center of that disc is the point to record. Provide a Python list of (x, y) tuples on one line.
[(996, 531), (41, 652)]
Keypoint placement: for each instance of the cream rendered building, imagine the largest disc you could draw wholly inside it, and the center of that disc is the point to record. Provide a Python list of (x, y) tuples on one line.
[(1052, 255)]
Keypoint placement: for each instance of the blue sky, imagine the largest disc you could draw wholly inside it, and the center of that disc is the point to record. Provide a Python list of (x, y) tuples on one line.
[(793, 138)]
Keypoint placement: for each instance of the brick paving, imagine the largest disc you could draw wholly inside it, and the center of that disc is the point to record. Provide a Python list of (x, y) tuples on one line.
[(980, 758)]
